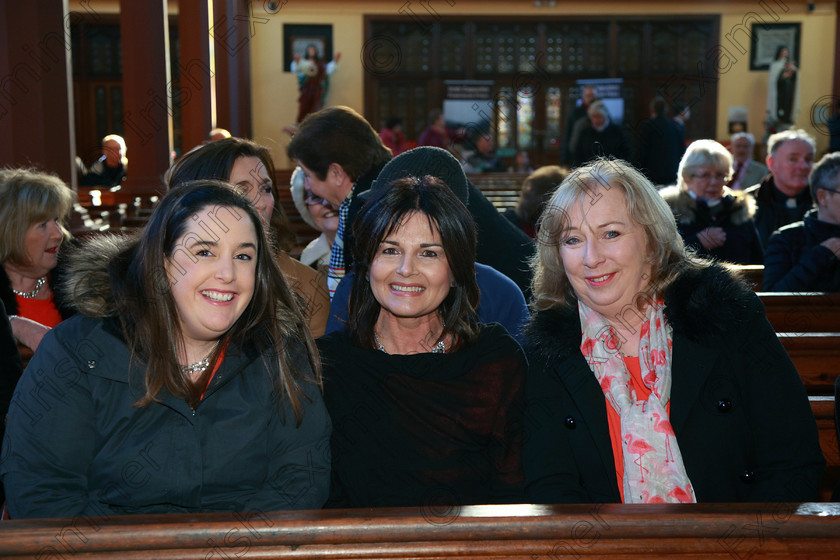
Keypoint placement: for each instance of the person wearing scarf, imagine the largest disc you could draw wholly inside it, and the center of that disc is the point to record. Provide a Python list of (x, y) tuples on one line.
[(654, 373)]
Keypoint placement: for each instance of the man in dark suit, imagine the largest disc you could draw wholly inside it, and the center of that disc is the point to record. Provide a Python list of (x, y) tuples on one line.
[(661, 144), (587, 96), (747, 171)]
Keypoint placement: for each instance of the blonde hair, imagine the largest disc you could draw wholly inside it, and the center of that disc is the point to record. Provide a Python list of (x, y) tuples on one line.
[(702, 153), (27, 197), (668, 256)]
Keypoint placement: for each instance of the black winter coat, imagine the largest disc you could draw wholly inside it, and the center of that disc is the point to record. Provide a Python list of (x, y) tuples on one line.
[(796, 262), (740, 412), (735, 216), (77, 446), (775, 210)]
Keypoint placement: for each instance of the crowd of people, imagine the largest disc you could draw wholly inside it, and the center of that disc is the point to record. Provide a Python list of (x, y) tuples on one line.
[(589, 345)]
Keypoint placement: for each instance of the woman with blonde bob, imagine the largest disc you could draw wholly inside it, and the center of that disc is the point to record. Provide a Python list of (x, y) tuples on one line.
[(654, 374), (713, 219), (33, 206)]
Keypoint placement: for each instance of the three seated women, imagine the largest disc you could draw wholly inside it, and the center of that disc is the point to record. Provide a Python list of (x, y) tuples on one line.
[(190, 382)]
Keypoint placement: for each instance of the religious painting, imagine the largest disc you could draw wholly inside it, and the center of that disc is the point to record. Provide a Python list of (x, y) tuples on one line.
[(768, 40), (297, 38)]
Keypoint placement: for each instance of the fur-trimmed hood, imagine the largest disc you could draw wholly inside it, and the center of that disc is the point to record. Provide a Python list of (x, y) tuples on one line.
[(86, 286), (740, 207), (700, 304)]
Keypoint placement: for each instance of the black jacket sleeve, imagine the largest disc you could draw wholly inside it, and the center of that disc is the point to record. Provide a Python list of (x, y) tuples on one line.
[(49, 444), (787, 269), (11, 366)]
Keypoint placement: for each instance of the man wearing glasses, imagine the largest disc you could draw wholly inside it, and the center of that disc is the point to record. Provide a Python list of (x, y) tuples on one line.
[(803, 257)]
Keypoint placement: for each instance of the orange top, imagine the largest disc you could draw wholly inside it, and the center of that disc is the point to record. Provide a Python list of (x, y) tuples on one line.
[(614, 420), (41, 311)]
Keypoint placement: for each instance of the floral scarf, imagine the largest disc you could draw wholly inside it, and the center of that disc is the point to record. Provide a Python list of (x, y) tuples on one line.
[(653, 465)]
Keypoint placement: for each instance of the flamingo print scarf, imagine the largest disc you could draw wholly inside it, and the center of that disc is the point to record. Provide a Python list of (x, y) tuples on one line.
[(653, 465)]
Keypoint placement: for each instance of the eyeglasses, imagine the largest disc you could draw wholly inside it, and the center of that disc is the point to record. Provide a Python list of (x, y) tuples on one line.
[(720, 177), (829, 190), (312, 199)]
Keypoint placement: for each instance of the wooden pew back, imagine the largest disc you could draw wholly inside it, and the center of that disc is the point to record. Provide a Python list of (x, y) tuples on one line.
[(802, 312), (502, 189), (472, 532)]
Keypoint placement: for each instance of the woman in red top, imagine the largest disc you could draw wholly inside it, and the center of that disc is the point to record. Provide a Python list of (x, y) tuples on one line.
[(32, 207)]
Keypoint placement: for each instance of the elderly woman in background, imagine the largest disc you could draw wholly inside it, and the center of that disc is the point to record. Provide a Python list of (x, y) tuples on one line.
[(318, 213), (426, 401), (189, 381), (712, 219), (655, 375), (599, 136), (249, 167), (32, 207)]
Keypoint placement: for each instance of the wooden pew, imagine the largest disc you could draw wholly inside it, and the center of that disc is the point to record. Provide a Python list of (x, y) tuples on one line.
[(816, 357), (802, 312), (739, 531), (502, 189), (823, 409), (751, 273)]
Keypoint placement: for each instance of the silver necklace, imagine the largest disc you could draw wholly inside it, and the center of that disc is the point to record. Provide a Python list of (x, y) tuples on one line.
[(199, 366), (31, 295), (440, 347)]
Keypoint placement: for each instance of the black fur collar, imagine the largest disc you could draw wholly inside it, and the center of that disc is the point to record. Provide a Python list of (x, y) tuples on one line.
[(700, 304)]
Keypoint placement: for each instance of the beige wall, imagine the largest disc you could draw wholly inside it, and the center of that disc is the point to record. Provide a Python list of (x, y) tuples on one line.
[(274, 100), (275, 92)]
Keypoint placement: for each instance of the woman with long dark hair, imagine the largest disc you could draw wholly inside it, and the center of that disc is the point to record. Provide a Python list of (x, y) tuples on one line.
[(249, 168), (188, 382), (426, 401)]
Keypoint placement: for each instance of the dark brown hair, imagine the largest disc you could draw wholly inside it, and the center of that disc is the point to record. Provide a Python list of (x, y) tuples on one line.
[(149, 317), (536, 190), (338, 135), (215, 160), (384, 213)]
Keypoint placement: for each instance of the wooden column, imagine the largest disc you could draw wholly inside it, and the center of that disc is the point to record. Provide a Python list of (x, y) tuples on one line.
[(196, 72), (147, 110), (231, 38), (836, 85), (36, 97)]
